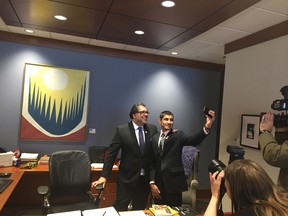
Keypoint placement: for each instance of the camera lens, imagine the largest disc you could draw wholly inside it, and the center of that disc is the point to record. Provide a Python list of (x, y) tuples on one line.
[(216, 165)]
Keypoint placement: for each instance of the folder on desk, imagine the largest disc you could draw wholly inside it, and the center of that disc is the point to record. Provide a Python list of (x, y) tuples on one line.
[(6, 159)]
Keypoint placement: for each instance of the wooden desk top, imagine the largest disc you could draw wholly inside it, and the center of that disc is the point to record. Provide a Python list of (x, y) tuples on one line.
[(4, 196), (40, 168)]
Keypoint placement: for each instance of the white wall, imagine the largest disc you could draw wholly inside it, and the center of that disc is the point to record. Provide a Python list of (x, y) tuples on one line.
[(253, 79)]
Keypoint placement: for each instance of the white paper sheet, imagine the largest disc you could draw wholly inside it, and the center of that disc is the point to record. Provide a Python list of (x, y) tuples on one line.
[(132, 213), (109, 211), (100, 165), (70, 213), (29, 156)]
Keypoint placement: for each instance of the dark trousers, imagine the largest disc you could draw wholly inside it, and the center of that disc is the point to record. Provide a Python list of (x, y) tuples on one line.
[(138, 195), (171, 199)]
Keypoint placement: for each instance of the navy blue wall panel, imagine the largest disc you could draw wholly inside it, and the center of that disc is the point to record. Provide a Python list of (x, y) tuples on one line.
[(115, 85)]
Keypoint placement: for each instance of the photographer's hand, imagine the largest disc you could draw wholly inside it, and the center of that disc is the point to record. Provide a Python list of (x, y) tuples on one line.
[(215, 182), (267, 122)]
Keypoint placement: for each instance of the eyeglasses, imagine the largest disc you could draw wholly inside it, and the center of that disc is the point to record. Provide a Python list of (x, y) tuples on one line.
[(143, 112)]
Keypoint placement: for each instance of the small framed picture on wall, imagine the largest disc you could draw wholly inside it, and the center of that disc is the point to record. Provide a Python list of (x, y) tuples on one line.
[(250, 131)]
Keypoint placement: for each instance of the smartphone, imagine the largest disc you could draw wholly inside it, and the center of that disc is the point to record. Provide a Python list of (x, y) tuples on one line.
[(99, 187), (5, 175), (206, 111)]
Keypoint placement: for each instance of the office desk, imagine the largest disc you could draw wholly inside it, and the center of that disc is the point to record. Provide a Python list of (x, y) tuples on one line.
[(23, 191), (4, 196)]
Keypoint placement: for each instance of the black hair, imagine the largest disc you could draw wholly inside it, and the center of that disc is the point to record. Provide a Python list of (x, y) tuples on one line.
[(134, 109), (163, 113)]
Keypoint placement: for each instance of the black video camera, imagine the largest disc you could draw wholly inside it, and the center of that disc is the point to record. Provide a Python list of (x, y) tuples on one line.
[(281, 105), (280, 120)]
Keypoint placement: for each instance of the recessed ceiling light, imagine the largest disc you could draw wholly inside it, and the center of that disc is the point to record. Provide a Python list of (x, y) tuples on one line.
[(60, 17), (29, 31), (168, 3), (139, 32), (174, 53)]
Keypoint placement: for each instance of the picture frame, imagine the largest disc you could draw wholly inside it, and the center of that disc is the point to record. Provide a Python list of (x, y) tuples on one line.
[(250, 131), (54, 103)]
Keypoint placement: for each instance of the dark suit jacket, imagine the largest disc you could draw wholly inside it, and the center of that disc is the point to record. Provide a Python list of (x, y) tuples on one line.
[(131, 160), (168, 166)]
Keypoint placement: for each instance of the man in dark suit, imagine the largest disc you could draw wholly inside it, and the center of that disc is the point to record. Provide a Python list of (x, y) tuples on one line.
[(167, 179), (133, 176)]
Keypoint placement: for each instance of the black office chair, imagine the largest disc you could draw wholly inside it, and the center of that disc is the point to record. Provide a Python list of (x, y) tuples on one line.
[(69, 183)]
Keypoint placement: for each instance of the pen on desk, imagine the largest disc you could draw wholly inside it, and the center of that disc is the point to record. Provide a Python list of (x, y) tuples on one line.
[(104, 213)]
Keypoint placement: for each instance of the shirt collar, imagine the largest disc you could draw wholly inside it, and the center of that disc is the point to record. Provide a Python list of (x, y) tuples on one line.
[(137, 126), (166, 132)]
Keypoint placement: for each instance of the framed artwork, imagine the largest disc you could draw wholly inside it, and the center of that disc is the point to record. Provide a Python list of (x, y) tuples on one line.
[(54, 103), (250, 131)]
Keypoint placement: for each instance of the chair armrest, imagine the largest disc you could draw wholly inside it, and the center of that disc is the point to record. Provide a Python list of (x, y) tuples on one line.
[(194, 184), (42, 190)]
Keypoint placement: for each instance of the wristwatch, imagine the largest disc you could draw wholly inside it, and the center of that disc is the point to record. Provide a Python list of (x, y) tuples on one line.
[(265, 131)]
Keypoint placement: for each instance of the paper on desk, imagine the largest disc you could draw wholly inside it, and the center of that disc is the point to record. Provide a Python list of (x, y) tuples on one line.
[(100, 165), (109, 211), (70, 213), (132, 213), (29, 156)]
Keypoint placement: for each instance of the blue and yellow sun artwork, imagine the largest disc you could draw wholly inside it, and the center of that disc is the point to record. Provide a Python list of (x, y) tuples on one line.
[(54, 103)]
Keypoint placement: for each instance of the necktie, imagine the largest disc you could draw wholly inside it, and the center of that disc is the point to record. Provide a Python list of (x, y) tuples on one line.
[(141, 139), (161, 144)]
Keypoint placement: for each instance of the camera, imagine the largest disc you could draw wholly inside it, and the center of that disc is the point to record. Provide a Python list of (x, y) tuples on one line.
[(280, 120), (281, 104), (214, 166), (235, 152)]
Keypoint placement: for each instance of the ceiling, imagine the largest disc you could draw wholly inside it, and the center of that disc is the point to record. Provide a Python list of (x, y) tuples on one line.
[(196, 29)]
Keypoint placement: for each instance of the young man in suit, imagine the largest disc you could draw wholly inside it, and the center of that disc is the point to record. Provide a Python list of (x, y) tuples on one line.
[(133, 176), (167, 179)]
